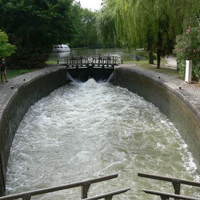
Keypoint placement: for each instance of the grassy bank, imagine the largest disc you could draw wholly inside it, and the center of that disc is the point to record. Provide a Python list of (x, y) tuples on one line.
[(164, 69), (11, 73)]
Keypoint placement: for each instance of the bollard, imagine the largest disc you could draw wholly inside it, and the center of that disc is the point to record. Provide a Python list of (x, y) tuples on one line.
[(188, 71)]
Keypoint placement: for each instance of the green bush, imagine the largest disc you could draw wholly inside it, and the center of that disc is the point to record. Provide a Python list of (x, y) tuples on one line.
[(6, 49), (188, 48)]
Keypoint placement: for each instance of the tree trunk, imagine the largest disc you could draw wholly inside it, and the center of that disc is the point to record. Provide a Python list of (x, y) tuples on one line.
[(159, 47), (151, 57)]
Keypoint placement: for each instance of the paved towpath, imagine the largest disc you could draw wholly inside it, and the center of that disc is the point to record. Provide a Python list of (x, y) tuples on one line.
[(171, 62)]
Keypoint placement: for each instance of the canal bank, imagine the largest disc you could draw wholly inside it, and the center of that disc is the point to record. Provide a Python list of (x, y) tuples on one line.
[(162, 90)]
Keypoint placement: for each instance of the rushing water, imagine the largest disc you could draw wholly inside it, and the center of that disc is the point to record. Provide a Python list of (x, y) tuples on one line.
[(87, 130), (123, 54)]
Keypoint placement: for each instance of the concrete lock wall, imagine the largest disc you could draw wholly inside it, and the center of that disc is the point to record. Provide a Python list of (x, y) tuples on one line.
[(169, 99), (31, 87), (16, 98)]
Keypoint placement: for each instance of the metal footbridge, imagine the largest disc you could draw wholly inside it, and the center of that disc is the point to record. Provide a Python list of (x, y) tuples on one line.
[(96, 67)]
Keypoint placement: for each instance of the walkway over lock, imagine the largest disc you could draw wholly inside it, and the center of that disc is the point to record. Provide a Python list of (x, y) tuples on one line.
[(97, 67), (85, 185), (95, 61)]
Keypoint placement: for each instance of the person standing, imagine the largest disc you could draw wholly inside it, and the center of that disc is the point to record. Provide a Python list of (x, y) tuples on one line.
[(3, 66)]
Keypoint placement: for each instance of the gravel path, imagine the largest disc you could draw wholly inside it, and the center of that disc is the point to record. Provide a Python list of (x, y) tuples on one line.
[(171, 62)]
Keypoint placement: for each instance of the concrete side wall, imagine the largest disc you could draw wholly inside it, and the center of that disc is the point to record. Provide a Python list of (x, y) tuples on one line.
[(168, 99), (15, 102)]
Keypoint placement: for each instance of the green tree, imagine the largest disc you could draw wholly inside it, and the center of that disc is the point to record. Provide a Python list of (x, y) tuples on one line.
[(153, 24), (85, 27), (34, 26), (106, 23), (6, 49)]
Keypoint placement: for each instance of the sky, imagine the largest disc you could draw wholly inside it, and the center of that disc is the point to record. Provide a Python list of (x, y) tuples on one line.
[(91, 4)]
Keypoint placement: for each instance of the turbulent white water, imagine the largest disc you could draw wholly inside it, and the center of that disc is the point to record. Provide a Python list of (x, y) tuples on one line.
[(87, 130)]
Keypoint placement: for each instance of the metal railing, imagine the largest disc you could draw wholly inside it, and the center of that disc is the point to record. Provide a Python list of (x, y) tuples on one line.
[(76, 60), (108, 196), (176, 183), (95, 61), (166, 196), (85, 185), (105, 60)]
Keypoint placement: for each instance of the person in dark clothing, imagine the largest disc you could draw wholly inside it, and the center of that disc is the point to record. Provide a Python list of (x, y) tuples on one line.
[(3, 66)]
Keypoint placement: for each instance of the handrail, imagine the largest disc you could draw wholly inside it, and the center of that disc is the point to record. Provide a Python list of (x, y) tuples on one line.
[(90, 61), (169, 179), (108, 196), (84, 184), (175, 181), (165, 196)]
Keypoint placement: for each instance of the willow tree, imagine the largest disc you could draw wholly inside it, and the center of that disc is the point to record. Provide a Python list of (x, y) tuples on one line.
[(153, 24), (106, 23)]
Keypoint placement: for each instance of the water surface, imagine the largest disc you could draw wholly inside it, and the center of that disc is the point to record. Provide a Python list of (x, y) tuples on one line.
[(88, 130), (123, 54)]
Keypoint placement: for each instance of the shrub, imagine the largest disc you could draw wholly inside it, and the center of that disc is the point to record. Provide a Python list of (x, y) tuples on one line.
[(188, 48), (6, 49)]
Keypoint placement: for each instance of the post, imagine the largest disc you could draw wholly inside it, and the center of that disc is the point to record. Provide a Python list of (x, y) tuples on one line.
[(151, 57), (84, 191), (177, 187), (163, 197), (26, 197), (109, 198), (188, 71)]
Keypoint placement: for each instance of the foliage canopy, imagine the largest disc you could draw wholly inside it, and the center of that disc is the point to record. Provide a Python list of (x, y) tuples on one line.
[(34, 26), (153, 24), (85, 34)]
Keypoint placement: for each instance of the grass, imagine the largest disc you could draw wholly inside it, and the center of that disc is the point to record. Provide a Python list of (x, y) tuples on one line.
[(11, 73), (163, 68), (50, 62)]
